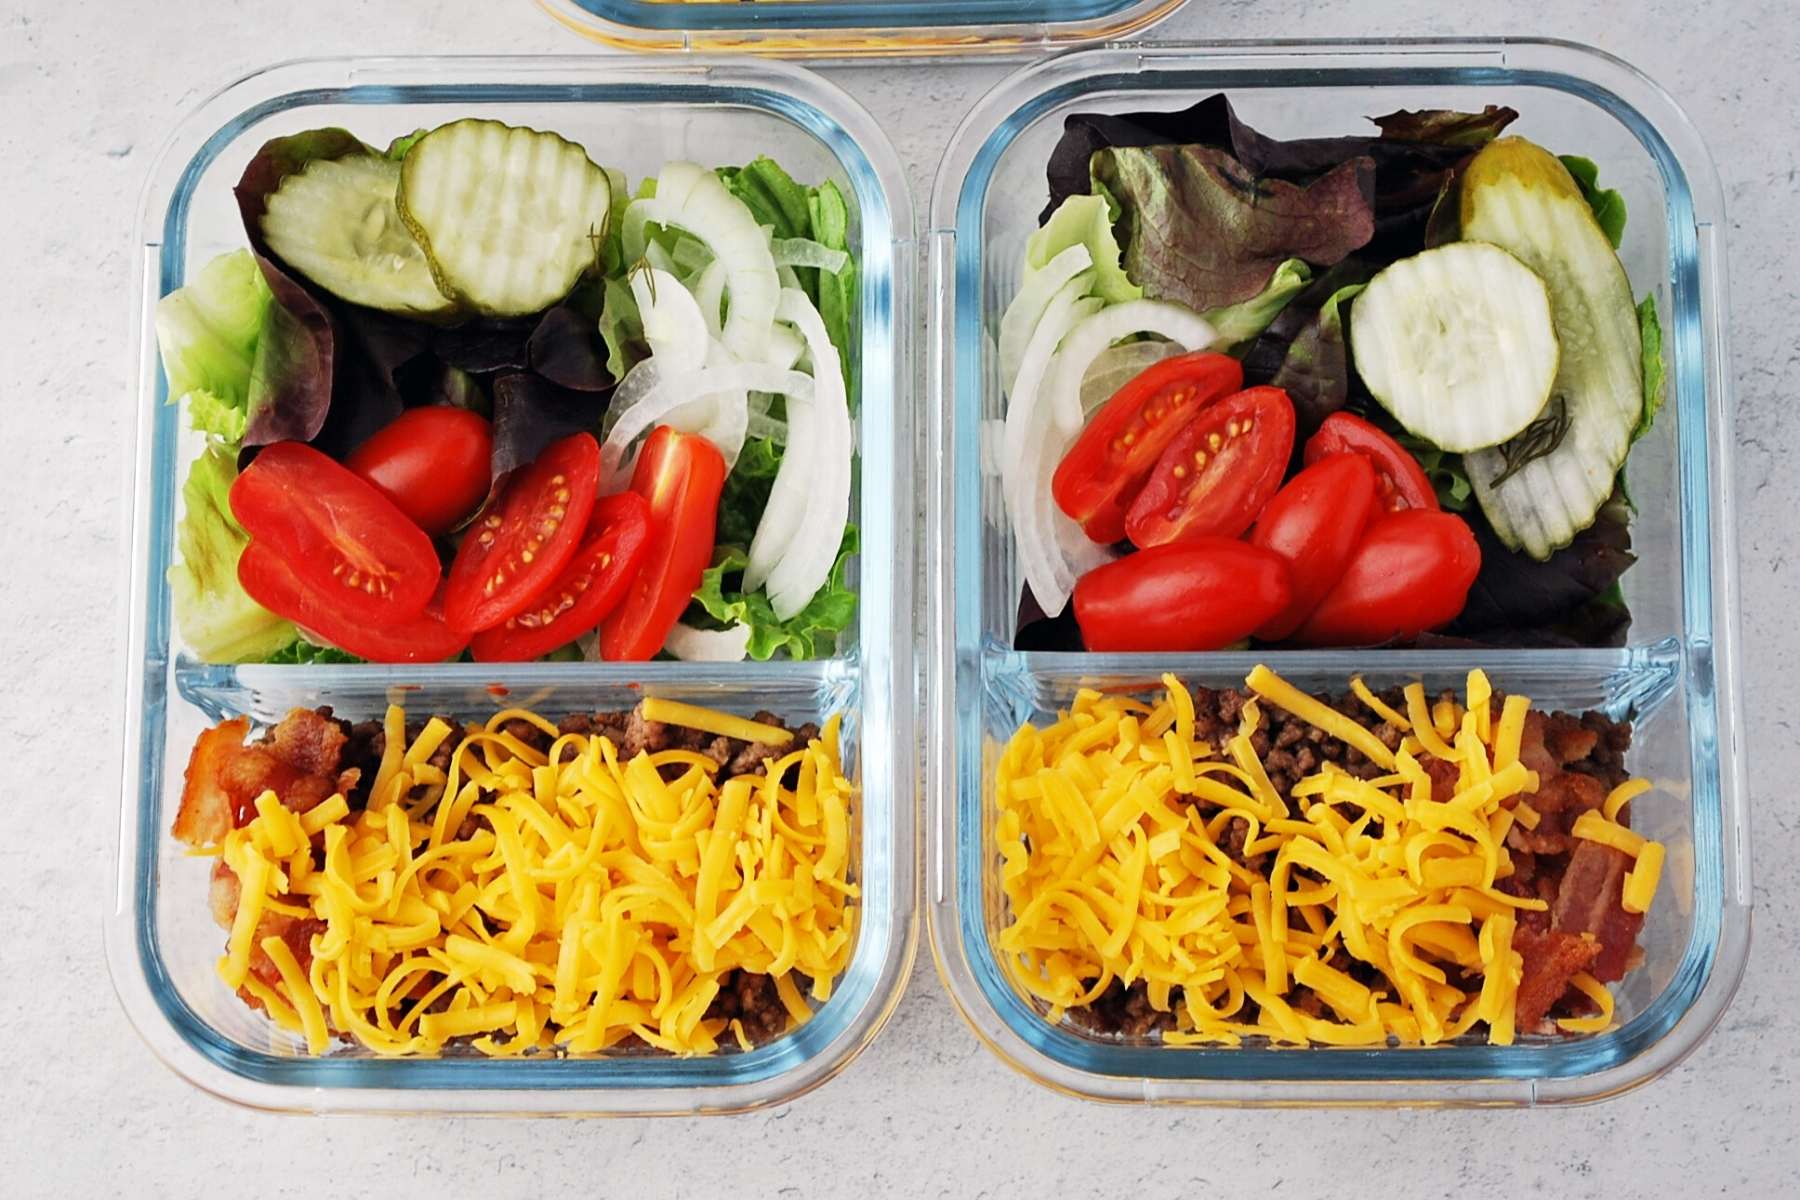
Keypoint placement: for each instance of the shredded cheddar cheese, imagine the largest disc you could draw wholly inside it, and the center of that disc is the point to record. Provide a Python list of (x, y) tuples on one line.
[(588, 901), (1112, 873)]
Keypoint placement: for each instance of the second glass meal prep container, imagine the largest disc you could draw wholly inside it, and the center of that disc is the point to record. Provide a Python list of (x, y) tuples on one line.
[(632, 115), (1676, 676), (857, 28)]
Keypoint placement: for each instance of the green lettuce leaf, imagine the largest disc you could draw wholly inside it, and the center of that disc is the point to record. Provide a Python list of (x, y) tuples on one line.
[(1650, 329), (746, 492), (836, 298), (208, 333), (1238, 323), (1442, 468), (810, 633), (304, 653), (1085, 221), (621, 328), (793, 210), (1201, 229), (217, 620), (1608, 205)]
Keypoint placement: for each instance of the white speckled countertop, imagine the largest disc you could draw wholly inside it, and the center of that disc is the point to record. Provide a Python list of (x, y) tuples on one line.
[(87, 89)]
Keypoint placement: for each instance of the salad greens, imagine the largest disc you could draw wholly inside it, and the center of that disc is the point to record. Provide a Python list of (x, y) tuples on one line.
[(1201, 230), (1273, 241), (357, 301), (215, 617)]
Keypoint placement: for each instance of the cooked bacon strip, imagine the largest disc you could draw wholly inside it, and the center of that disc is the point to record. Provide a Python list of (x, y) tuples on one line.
[(1588, 903), (298, 761), (205, 815), (1551, 960)]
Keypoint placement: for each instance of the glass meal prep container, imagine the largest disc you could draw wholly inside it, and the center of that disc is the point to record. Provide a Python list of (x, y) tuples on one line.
[(850, 28), (1676, 676), (161, 941)]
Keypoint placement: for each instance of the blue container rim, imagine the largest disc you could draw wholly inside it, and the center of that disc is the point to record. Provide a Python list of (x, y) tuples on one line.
[(791, 15)]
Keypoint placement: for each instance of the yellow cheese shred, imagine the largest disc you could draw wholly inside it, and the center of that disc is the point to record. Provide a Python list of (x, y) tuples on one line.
[(1111, 824), (707, 720), (587, 901)]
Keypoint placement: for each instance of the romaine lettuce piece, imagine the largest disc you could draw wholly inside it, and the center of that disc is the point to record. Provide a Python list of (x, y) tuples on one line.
[(216, 619)]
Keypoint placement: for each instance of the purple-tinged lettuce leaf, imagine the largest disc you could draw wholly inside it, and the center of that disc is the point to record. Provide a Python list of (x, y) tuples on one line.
[(290, 380), (530, 412), (1567, 598), (291, 383), (484, 346), (566, 349), (1202, 230), (1446, 127)]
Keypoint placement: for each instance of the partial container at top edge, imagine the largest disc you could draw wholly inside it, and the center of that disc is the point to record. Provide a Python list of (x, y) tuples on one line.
[(1676, 674), (856, 28), (160, 940)]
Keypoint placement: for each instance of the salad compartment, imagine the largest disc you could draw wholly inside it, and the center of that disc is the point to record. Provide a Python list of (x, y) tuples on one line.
[(855, 28), (1674, 675), (162, 944)]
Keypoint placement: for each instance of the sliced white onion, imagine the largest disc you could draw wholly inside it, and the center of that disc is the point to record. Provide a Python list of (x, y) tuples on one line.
[(804, 252), (1116, 366), (786, 509), (804, 564), (785, 347), (669, 393), (691, 256), (708, 645), (788, 278), (762, 425), (1176, 322), (658, 258), (1029, 456), (709, 294), (1027, 308), (674, 325), (694, 200)]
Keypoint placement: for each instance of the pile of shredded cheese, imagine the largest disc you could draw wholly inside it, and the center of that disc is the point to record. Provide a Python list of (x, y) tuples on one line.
[(1112, 872), (595, 900)]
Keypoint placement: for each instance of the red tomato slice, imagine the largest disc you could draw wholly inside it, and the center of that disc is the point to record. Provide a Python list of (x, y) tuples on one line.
[(1200, 594), (587, 591), (1315, 522), (1218, 472), (681, 475), (431, 462), (526, 536), (271, 582), (1411, 573), (1103, 470), (1399, 480), (346, 541)]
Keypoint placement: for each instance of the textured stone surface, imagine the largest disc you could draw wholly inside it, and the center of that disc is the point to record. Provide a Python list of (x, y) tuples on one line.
[(88, 90)]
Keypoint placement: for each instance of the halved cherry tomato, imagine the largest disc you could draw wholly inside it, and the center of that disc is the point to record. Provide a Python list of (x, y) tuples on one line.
[(345, 541), (1216, 475), (269, 580), (681, 475), (1399, 480), (525, 537), (1103, 471), (432, 462), (1411, 573), (1315, 522), (587, 591), (1195, 595)]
